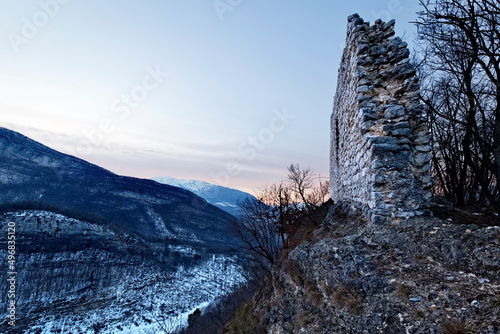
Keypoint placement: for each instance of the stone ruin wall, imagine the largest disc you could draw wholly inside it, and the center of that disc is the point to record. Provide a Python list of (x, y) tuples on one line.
[(380, 153)]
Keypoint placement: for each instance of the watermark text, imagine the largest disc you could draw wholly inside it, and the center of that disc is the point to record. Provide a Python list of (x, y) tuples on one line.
[(11, 273), (32, 26)]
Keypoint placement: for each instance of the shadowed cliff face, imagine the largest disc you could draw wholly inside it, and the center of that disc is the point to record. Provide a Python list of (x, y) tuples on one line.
[(74, 275), (33, 176)]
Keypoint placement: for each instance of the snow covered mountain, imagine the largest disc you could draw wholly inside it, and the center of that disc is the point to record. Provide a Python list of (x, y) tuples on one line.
[(224, 198)]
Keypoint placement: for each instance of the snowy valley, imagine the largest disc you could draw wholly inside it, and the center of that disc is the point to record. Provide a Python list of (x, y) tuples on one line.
[(113, 283)]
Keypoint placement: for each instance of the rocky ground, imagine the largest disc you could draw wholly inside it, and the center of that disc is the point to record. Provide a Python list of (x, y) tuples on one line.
[(422, 275)]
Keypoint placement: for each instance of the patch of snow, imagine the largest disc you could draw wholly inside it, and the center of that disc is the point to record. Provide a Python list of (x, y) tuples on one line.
[(225, 204), (142, 304), (161, 228), (191, 185)]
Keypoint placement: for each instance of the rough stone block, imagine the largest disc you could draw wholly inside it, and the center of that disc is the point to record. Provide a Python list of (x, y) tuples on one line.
[(389, 24), (364, 81), (379, 178), (388, 33), (381, 212), (402, 68), (366, 126), (426, 168), (362, 48), (361, 61), (404, 141), (394, 111), (403, 214), (381, 60), (362, 98), (413, 87), (395, 44), (401, 125), (369, 104), (422, 139), (399, 55), (401, 132), (377, 219), (423, 148), (421, 159), (382, 140), (362, 89), (358, 21)]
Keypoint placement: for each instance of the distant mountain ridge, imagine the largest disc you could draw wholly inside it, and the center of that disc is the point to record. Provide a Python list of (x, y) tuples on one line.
[(224, 198), (34, 176)]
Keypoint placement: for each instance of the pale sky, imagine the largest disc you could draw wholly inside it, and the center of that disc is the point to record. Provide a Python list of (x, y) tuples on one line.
[(227, 91)]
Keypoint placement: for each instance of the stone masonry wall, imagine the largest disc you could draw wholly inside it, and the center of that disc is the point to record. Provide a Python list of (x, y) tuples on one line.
[(380, 153)]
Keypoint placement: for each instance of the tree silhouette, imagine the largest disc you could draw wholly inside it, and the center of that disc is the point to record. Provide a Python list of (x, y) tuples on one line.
[(461, 88)]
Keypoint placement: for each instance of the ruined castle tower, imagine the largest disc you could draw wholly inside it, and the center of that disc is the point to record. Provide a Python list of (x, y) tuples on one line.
[(380, 153)]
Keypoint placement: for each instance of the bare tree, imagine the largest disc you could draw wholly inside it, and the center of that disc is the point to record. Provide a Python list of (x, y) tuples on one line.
[(258, 228), (461, 89), (265, 223), (167, 324), (306, 191)]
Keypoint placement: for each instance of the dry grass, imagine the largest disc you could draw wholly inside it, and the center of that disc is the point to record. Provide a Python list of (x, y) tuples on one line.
[(380, 266), (419, 313), (404, 290), (303, 320), (355, 305), (293, 269), (453, 326), (313, 293), (245, 321), (349, 297)]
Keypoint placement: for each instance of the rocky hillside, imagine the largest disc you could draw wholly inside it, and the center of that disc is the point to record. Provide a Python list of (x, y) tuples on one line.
[(78, 277), (33, 176), (422, 275)]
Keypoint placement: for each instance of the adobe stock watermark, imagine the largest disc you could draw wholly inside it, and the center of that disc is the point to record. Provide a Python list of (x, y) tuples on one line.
[(121, 109), (393, 7), (247, 151), (222, 7), (32, 26), (11, 273)]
